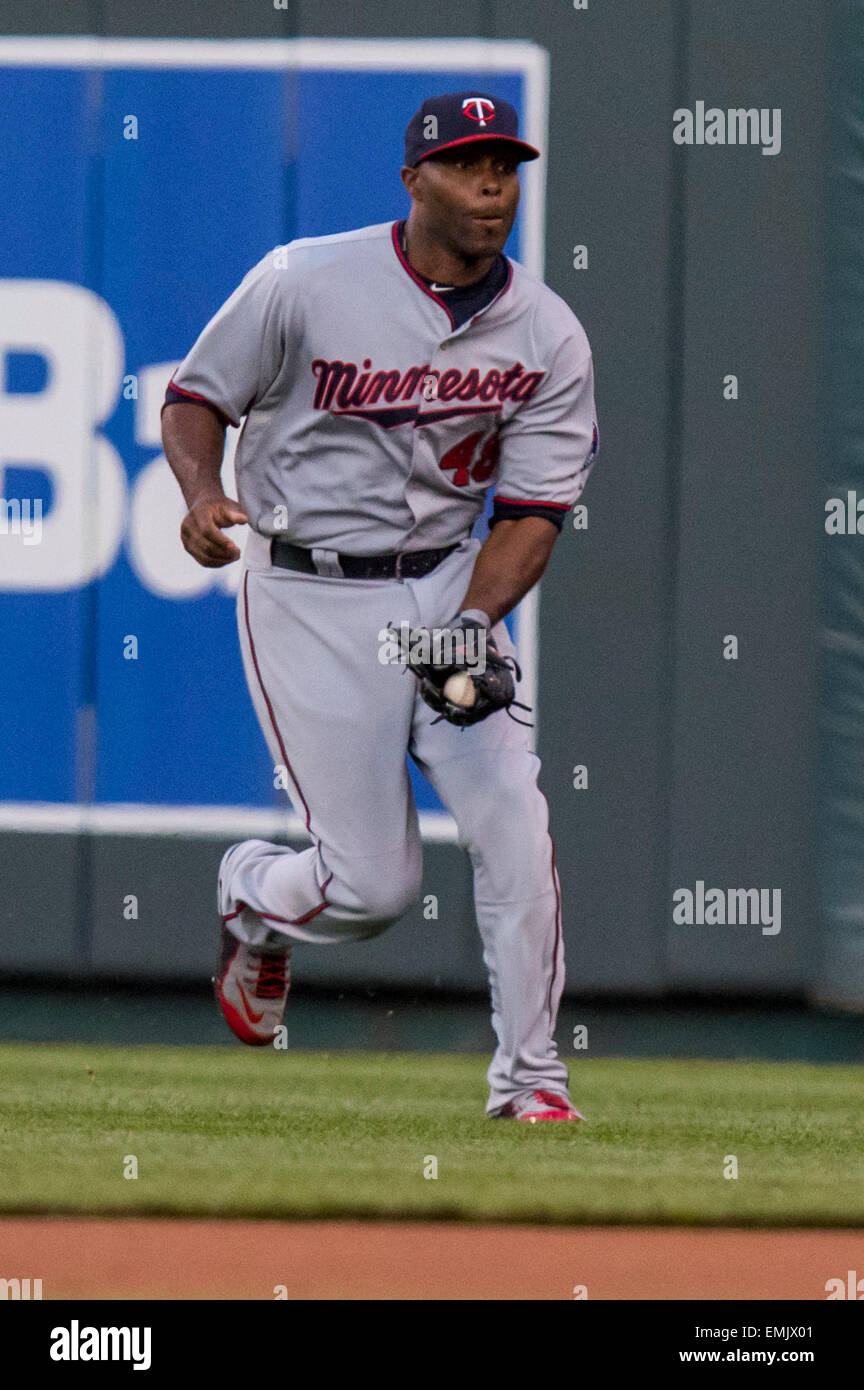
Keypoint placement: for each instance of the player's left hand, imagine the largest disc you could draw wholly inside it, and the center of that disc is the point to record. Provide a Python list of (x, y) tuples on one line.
[(472, 682)]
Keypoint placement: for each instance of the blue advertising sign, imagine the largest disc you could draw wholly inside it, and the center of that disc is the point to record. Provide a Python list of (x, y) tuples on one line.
[(141, 180)]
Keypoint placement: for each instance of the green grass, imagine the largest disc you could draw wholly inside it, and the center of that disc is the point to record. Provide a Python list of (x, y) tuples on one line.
[(234, 1132)]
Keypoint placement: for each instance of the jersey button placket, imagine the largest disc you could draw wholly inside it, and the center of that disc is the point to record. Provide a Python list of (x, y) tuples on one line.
[(419, 427)]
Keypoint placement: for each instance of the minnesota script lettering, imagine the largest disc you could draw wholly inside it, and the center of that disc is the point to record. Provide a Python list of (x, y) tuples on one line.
[(345, 386)]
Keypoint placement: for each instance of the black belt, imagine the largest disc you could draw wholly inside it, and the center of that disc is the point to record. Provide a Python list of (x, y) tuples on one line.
[(410, 564)]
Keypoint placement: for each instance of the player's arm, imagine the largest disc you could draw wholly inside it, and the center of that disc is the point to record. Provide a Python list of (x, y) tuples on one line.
[(193, 438), (547, 452), (230, 368), (509, 563)]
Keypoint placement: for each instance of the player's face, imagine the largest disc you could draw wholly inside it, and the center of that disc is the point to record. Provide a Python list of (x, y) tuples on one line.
[(469, 197)]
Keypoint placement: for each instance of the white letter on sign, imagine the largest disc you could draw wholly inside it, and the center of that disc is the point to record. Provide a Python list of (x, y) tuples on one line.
[(56, 430)]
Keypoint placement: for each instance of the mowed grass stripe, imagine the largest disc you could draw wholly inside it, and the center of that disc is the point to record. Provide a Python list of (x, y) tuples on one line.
[(241, 1133)]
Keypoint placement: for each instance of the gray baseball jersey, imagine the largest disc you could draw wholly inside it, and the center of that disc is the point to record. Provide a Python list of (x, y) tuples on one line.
[(372, 424)]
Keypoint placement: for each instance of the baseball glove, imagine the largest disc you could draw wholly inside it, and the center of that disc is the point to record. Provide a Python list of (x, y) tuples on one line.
[(489, 673)]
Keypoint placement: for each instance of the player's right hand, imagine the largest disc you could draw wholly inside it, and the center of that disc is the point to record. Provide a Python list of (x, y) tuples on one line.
[(201, 531)]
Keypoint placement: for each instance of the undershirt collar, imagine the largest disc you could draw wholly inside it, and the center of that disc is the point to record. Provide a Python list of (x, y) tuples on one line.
[(464, 301)]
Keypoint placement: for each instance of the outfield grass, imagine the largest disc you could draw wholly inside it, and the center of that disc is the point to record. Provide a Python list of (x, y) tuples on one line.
[(236, 1132)]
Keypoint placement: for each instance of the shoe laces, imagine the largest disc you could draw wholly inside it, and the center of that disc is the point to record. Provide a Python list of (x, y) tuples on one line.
[(270, 978)]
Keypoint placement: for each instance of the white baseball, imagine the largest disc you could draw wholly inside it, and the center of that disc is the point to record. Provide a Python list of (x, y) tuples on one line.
[(460, 689)]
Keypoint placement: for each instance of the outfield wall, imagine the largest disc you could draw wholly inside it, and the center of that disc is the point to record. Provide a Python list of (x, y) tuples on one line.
[(702, 513)]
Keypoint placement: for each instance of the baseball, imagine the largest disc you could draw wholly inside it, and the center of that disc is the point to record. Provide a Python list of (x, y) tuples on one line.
[(460, 689)]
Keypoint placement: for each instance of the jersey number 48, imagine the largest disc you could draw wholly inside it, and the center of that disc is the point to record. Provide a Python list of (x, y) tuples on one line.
[(461, 457)]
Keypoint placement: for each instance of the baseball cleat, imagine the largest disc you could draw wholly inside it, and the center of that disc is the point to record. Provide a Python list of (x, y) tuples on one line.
[(252, 989), (538, 1105)]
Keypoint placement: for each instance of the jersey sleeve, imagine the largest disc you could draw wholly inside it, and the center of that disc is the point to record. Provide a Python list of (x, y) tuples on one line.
[(240, 352), (549, 445)]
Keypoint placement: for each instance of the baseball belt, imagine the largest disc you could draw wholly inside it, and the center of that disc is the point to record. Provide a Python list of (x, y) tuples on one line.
[(409, 564)]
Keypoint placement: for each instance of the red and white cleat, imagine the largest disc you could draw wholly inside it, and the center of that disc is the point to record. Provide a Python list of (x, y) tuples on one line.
[(538, 1105), (252, 988)]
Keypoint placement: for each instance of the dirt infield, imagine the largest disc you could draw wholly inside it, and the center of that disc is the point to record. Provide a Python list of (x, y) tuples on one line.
[(138, 1258)]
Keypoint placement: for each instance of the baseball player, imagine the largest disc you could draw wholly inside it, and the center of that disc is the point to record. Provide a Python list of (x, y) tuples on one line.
[(387, 379)]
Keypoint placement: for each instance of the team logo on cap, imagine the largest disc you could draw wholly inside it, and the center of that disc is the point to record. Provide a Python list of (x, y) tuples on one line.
[(478, 109)]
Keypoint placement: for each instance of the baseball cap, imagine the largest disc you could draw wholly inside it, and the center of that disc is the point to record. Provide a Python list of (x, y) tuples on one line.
[(462, 118)]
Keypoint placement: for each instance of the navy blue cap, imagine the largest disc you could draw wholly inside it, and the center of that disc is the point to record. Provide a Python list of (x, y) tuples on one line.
[(462, 118)]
